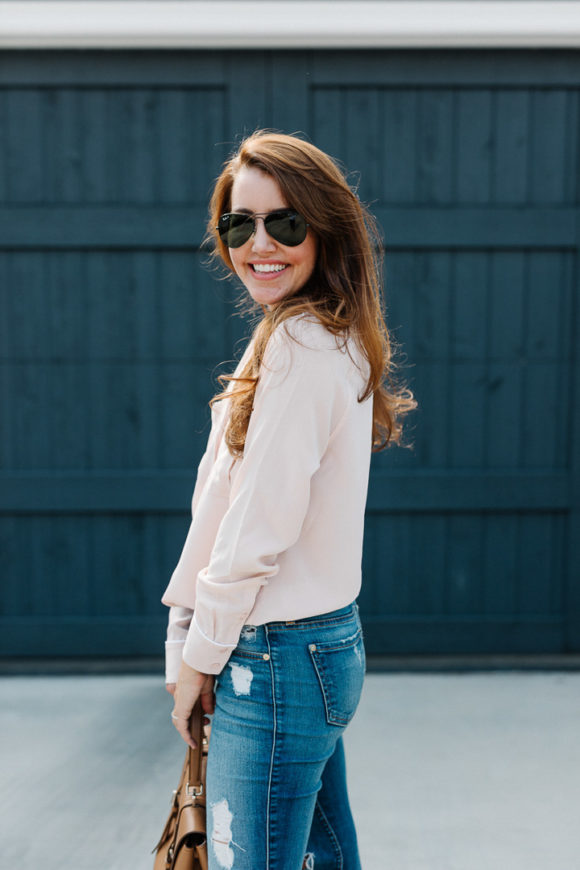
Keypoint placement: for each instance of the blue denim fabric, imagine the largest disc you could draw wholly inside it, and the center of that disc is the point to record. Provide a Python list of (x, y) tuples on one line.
[(276, 783)]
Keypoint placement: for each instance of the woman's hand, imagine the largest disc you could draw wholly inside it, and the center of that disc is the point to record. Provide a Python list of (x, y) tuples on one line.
[(190, 686)]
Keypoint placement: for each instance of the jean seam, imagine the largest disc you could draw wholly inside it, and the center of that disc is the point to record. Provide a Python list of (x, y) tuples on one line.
[(332, 836), (322, 688), (272, 754)]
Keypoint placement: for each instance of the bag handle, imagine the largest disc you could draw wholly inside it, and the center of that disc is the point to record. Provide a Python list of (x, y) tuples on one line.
[(194, 785)]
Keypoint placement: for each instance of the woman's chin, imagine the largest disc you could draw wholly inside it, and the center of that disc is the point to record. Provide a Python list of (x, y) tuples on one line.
[(267, 295)]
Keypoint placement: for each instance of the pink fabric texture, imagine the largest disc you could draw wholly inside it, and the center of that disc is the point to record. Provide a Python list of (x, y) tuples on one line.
[(276, 535)]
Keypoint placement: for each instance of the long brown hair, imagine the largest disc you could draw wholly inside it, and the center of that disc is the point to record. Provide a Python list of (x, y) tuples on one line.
[(344, 290)]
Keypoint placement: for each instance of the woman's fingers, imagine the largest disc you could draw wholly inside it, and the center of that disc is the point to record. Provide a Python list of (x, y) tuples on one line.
[(170, 688), (189, 687), (181, 716), (182, 726)]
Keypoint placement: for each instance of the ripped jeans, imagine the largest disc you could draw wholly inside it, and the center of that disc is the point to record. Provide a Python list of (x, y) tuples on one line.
[(276, 779)]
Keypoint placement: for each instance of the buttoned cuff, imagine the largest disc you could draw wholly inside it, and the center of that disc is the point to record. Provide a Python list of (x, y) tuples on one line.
[(173, 658), (205, 655)]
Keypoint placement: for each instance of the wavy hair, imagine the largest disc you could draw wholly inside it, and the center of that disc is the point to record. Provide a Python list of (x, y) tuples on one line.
[(344, 290)]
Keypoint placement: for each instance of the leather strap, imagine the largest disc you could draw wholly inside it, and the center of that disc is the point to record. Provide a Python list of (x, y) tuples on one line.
[(195, 755)]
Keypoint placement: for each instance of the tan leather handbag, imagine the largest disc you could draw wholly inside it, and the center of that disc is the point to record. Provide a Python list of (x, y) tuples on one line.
[(183, 845)]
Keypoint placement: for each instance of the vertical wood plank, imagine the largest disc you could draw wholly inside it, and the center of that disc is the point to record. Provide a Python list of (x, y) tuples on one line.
[(475, 146), (468, 423), (62, 145), (541, 404), (433, 348), (428, 558), (327, 122), (557, 583), (550, 170), (370, 568), (464, 581), (141, 168), (363, 141), (65, 428), (176, 159), (535, 565), (430, 424), (507, 306), (400, 302), (290, 85), (512, 148), (117, 133), (469, 307), (572, 523), (467, 429), (185, 391), (11, 590), (506, 352), (248, 104), (208, 118), (435, 146), (25, 160), (6, 395), (433, 279), (545, 330), (500, 559), (399, 136), (543, 327), (392, 579), (4, 146), (95, 134)]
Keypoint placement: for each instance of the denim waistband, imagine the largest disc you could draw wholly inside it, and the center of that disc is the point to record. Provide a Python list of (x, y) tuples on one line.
[(341, 615), (256, 640)]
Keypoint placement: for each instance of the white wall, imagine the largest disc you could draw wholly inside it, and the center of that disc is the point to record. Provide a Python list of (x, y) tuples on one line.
[(289, 23)]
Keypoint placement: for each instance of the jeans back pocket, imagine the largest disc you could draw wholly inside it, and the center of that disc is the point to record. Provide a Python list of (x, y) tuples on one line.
[(340, 667)]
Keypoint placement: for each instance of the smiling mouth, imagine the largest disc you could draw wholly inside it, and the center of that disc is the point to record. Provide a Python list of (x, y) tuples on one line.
[(268, 268)]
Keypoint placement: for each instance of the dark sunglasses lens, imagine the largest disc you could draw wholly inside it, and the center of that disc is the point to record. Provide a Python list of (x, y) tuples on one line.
[(288, 228), (285, 227), (235, 229)]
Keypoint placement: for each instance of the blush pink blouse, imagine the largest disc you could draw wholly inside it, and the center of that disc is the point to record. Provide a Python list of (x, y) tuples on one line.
[(276, 535)]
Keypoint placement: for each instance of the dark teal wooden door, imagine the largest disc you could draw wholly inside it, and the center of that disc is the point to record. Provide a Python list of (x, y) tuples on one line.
[(111, 330), (471, 161)]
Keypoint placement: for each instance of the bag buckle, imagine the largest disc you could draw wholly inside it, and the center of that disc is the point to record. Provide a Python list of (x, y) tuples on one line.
[(194, 790)]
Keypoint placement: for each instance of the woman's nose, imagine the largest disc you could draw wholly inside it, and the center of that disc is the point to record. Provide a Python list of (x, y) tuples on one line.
[(261, 240)]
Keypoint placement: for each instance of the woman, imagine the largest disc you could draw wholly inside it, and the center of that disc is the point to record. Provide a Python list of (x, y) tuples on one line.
[(263, 622)]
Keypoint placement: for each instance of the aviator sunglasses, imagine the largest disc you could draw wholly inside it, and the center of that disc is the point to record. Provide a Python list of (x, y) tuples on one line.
[(285, 226)]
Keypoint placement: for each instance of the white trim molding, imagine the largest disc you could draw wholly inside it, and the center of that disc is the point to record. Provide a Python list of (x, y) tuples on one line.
[(267, 24)]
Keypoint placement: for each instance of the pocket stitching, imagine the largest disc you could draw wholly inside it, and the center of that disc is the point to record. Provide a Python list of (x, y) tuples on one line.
[(347, 643), (333, 717)]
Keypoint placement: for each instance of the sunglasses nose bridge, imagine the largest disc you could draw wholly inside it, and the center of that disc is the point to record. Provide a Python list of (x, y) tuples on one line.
[(260, 235)]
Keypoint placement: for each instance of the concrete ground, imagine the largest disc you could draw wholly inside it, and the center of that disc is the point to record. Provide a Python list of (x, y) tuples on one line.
[(447, 771)]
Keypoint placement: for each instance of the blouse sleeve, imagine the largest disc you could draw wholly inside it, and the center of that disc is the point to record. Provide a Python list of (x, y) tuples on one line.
[(179, 618), (295, 409), (177, 628)]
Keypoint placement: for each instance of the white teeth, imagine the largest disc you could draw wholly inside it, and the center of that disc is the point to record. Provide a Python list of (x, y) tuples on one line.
[(267, 267)]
